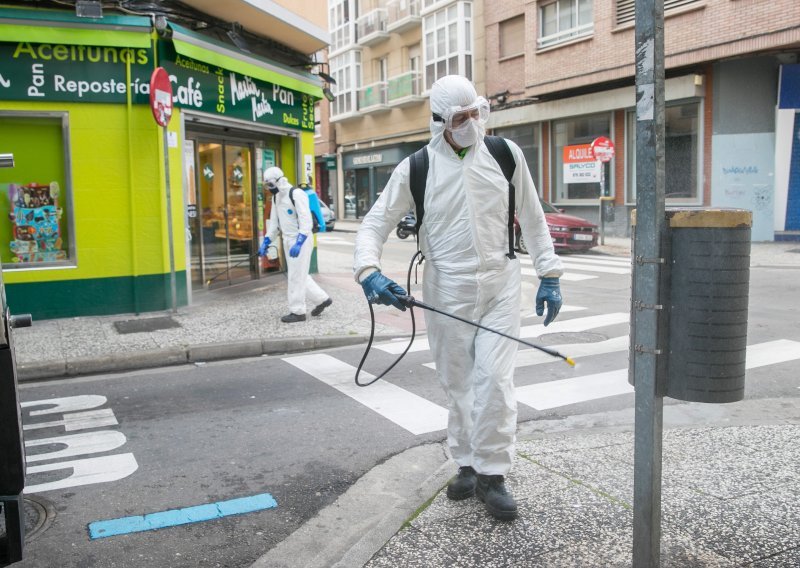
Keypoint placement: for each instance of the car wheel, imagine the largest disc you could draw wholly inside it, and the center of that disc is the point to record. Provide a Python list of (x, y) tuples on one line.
[(402, 234), (329, 227), (521, 244)]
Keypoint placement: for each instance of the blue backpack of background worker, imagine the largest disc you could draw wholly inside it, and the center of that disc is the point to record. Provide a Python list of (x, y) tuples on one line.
[(317, 220)]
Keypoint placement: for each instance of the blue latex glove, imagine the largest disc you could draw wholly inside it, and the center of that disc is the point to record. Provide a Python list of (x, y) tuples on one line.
[(549, 293), (381, 290), (294, 252), (262, 250)]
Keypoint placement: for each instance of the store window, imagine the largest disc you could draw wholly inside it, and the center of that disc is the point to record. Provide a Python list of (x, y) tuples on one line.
[(36, 217), (527, 137), (447, 42), (569, 147), (564, 20), (682, 154)]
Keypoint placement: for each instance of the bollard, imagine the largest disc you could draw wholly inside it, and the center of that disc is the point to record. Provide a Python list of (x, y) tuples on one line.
[(709, 288)]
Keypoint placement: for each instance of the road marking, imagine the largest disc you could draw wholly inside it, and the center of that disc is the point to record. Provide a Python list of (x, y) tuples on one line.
[(567, 276), (79, 421), (611, 259), (76, 445), (553, 394), (409, 411), (597, 262), (85, 472), (335, 241), (174, 517), (596, 268)]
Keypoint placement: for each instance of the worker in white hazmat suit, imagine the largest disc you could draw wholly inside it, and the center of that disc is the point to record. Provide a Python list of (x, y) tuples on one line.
[(464, 239), (291, 215)]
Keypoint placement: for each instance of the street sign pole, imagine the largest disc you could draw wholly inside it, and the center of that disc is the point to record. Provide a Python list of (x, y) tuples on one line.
[(646, 278), (161, 105)]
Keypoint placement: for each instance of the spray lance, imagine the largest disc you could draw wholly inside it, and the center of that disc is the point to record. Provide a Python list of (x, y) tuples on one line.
[(411, 303)]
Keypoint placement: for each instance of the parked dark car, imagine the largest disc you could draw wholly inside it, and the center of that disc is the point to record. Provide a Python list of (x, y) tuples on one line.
[(569, 233)]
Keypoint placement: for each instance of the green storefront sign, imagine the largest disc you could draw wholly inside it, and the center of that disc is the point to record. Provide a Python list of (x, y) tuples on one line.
[(74, 73), (77, 73)]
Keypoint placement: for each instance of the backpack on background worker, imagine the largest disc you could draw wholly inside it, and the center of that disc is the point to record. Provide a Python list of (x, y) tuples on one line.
[(317, 220)]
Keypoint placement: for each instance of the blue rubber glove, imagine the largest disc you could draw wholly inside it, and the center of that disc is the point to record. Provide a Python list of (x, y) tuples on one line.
[(549, 293), (381, 290), (262, 250), (294, 252)]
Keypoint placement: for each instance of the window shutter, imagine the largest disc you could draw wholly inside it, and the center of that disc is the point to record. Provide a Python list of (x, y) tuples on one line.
[(626, 9)]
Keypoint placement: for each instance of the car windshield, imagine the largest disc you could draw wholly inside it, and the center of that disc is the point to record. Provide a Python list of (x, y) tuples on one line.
[(547, 207)]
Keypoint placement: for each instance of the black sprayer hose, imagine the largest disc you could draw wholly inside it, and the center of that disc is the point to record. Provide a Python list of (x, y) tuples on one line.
[(372, 330), (410, 301)]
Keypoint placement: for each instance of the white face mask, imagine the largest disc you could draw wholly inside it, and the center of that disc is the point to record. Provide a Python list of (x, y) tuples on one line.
[(467, 134)]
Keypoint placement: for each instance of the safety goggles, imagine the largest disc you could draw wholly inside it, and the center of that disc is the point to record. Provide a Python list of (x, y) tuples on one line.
[(456, 117)]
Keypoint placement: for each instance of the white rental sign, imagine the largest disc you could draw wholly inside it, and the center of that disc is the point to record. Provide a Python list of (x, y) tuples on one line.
[(580, 165)]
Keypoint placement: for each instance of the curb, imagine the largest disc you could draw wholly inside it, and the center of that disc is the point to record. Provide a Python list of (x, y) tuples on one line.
[(170, 356)]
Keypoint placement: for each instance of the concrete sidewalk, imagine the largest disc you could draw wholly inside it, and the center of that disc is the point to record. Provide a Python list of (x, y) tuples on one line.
[(730, 497)]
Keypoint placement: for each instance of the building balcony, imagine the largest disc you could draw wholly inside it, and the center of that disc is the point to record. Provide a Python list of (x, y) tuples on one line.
[(371, 28), (373, 98), (406, 89), (403, 15)]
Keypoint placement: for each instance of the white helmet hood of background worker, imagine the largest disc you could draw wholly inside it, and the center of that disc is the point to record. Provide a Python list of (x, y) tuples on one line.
[(275, 180), (457, 108)]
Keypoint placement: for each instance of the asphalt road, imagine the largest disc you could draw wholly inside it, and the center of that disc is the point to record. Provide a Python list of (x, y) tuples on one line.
[(194, 435)]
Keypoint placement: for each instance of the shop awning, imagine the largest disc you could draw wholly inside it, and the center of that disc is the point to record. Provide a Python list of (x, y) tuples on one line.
[(59, 27), (204, 49)]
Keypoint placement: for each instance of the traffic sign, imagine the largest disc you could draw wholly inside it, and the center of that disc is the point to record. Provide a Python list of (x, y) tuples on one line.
[(161, 96), (602, 149)]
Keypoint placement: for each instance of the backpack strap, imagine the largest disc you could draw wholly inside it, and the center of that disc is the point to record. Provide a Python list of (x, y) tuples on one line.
[(498, 148), (418, 178)]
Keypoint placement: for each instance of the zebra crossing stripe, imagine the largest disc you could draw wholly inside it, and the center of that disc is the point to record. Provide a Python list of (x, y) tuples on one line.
[(553, 394), (595, 268), (567, 276), (625, 260), (409, 411)]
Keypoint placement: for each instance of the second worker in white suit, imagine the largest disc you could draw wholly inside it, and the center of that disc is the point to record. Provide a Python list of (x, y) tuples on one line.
[(464, 239), (292, 216)]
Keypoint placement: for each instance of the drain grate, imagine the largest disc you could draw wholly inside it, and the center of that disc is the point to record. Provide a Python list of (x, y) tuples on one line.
[(145, 324)]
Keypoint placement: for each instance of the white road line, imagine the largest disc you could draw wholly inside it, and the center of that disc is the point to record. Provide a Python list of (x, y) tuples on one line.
[(414, 413), (612, 259), (577, 324), (772, 353), (552, 394), (596, 262), (567, 276), (596, 268)]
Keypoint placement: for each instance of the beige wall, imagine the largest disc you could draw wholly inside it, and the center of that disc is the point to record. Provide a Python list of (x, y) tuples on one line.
[(315, 11)]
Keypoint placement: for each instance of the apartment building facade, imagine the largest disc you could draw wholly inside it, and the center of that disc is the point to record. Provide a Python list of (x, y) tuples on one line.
[(384, 56), (560, 73)]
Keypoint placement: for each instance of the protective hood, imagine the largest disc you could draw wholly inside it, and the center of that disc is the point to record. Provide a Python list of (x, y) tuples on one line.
[(450, 96)]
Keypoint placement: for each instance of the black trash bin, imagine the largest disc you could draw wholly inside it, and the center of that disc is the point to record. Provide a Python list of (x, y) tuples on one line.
[(710, 286)]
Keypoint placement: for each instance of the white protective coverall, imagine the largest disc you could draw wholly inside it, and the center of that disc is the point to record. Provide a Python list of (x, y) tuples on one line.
[(292, 220), (464, 237)]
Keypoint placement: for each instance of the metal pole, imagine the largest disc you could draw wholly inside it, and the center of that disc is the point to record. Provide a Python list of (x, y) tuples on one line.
[(172, 283), (646, 276), (602, 204)]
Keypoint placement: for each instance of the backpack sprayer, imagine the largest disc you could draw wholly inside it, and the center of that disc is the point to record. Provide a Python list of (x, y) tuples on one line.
[(411, 303)]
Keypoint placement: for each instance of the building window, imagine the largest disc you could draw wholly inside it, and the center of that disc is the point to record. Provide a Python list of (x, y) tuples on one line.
[(317, 116), (346, 69), (527, 137), (564, 20), (626, 9), (341, 22), (569, 146), (36, 217), (447, 42), (512, 37), (682, 154)]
